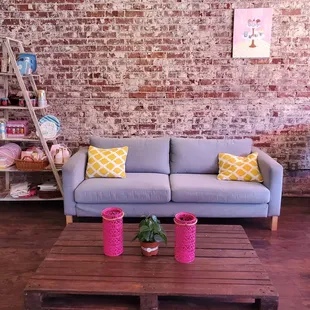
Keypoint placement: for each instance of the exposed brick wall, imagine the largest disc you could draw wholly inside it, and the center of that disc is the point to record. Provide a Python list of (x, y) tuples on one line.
[(164, 67)]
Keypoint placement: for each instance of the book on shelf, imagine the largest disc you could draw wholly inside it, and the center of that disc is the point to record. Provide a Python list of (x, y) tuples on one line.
[(48, 186)]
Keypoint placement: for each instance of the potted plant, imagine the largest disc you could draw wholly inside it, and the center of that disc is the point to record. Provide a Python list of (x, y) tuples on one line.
[(150, 235)]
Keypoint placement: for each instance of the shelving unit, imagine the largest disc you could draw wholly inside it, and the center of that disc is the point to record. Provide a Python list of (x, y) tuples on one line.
[(10, 69), (11, 107), (14, 169), (26, 139), (33, 198)]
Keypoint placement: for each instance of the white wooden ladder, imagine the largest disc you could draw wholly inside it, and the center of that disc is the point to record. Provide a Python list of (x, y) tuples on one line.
[(9, 68)]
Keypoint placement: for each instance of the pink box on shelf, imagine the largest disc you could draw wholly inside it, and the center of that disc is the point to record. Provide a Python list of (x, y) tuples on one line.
[(16, 129)]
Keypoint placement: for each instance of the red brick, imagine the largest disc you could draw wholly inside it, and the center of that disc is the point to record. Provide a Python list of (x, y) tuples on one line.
[(144, 62), (157, 55), (291, 11), (259, 61), (147, 126), (212, 95), (176, 95), (111, 114), (286, 95), (303, 94), (136, 55), (134, 13), (8, 22), (205, 82), (137, 95), (231, 95), (273, 87), (124, 20), (277, 61), (191, 132), (66, 7), (103, 108), (175, 55), (263, 144), (110, 88), (115, 13), (184, 88), (147, 89), (165, 88), (25, 7), (100, 82), (153, 68), (95, 14)]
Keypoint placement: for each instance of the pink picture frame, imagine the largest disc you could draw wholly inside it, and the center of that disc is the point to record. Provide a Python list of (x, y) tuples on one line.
[(252, 33)]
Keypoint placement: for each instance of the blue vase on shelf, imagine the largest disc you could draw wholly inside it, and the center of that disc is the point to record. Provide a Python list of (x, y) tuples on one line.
[(27, 63)]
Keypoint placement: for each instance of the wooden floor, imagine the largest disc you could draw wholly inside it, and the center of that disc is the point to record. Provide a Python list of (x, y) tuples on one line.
[(28, 231)]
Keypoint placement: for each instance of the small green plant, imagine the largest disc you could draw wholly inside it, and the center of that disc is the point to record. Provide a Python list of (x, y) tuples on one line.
[(150, 230)]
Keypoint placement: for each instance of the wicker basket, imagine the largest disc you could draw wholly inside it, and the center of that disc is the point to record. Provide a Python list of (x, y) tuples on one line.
[(34, 165)]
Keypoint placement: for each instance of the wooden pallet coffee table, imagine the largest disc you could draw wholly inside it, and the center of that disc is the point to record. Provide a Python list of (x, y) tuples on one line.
[(226, 266)]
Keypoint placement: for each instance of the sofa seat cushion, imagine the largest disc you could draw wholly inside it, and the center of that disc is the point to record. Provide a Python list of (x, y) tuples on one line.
[(207, 188), (136, 188)]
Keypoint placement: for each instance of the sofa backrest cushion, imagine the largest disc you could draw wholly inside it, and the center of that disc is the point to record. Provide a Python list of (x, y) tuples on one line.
[(149, 155), (201, 155)]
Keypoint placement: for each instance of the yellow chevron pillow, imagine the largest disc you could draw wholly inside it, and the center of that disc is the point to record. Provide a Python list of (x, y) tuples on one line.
[(238, 168), (106, 163)]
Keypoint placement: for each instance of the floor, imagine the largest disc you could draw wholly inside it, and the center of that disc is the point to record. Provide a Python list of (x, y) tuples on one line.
[(27, 232)]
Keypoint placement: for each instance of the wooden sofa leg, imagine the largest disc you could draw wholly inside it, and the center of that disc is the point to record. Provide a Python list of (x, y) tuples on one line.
[(274, 223), (69, 219)]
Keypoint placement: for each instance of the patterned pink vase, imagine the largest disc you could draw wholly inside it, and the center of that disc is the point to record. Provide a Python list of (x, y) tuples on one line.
[(185, 237), (112, 221)]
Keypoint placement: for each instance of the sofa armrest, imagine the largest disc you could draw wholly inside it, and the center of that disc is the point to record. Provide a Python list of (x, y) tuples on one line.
[(73, 173), (272, 173)]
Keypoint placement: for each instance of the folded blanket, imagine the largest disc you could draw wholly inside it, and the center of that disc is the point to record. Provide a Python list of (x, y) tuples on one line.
[(20, 189)]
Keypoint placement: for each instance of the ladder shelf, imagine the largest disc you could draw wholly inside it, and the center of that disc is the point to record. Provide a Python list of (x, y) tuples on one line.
[(9, 68)]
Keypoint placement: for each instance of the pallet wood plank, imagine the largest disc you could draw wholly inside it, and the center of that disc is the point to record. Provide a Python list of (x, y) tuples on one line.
[(199, 238), (164, 289), (170, 234), (163, 274), (133, 264), (167, 227), (80, 250), (204, 263), (154, 280), (199, 244)]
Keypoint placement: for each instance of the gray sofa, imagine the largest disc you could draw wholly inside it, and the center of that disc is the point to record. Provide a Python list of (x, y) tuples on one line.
[(169, 175)]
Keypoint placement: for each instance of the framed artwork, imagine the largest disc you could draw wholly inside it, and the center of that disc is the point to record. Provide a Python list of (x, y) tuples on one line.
[(252, 33)]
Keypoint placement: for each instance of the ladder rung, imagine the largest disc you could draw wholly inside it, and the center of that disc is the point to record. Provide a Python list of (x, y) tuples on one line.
[(13, 74)]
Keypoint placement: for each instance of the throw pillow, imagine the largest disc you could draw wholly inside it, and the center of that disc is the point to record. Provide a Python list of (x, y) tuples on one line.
[(106, 163), (238, 168)]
